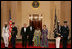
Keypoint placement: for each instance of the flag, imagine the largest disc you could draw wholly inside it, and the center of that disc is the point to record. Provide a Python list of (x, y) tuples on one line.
[(55, 24), (10, 25), (55, 21)]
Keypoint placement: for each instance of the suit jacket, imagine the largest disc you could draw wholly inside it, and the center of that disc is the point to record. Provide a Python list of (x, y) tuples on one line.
[(30, 33), (14, 32), (24, 34), (65, 31)]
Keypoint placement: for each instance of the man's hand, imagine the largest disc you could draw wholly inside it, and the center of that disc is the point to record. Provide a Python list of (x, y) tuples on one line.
[(27, 37), (68, 37), (61, 37), (16, 36)]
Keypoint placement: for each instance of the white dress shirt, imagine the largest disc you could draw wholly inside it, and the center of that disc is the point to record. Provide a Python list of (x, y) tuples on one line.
[(24, 29), (31, 28)]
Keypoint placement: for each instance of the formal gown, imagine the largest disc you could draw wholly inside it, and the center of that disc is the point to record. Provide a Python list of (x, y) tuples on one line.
[(36, 37), (44, 41)]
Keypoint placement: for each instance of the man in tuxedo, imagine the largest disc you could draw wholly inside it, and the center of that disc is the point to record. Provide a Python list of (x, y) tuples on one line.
[(65, 34), (13, 34), (24, 35), (30, 34)]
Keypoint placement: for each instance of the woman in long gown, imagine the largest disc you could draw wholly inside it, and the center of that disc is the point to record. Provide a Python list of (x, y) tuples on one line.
[(36, 38), (44, 36)]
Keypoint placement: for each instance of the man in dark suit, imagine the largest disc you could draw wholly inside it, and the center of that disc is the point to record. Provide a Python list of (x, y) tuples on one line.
[(13, 33), (65, 34), (24, 35), (30, 34)]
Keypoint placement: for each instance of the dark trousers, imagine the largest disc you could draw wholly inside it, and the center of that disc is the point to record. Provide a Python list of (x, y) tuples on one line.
[(65, 42), (13, 42), (24, 42), (30, 41)]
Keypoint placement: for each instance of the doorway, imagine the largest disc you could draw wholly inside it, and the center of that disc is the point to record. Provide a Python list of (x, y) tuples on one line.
[(36, 21)]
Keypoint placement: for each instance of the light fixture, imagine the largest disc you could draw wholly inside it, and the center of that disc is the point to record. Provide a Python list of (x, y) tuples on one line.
[(40, 18), (35, 17), (31, 18)]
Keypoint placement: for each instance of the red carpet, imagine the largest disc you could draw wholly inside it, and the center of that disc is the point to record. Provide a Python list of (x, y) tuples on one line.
[(19, 45)]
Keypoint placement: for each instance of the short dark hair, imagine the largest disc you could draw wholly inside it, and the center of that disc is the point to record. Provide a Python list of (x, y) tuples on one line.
[(13, 22), (65, 21)]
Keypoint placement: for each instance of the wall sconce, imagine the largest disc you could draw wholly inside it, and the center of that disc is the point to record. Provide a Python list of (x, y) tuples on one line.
[(31, 18), (35, 17), (40, 18)]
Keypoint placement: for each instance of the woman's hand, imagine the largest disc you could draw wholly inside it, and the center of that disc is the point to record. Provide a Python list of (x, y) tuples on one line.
[(33, 40), (47, 36), (41, 36)]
